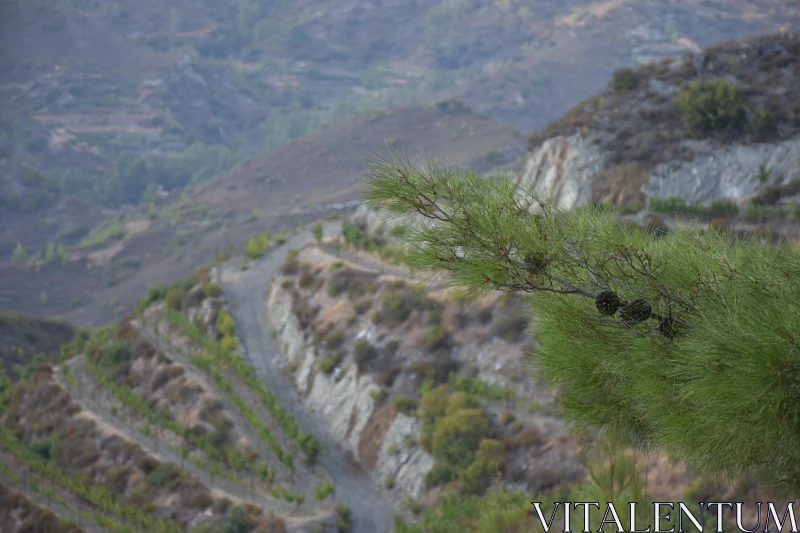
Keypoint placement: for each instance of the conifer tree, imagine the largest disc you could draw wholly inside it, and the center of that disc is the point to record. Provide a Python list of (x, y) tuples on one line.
[(686, 343), (20, 255)]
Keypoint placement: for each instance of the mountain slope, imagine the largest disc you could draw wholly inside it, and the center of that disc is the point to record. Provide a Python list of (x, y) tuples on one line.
[(717, 128)]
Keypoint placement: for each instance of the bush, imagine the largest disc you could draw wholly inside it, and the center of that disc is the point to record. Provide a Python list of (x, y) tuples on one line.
[(254, 248), (712, 105), (329, 362), (403, 404), (436, 337), (175, 298), (440, 475), (335, 339), (323, 491), (345, 518), (42, 448), (201, 501), (433, 404), (489, 462), (363, 353), (212, 290), (764, 125), (676, 205), (306, 279), (395, 306), (317, 231), (159, 476), (624, 79), (118, 352), (237, 521), (338, 283), (457, 436)]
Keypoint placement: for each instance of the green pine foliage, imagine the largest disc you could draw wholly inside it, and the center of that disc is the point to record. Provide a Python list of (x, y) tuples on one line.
[(707, 374)]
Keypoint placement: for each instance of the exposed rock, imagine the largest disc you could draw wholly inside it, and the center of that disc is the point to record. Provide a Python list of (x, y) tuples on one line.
[(562, 169), (730, 173), (344, 399)]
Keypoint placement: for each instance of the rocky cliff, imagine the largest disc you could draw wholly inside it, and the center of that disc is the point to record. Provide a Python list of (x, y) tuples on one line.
[(641, 138), (363, 350)]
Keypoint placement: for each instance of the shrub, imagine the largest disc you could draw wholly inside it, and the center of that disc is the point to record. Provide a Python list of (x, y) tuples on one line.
[(403, 404), (395, 306), (175, 298), (389, 482), (489, 461), (41, 447), (212, 290), (237, 521), (201, 501), (306, 279), (363, 353), (159, 476), (329, 362), (459, 401), (317, 231), (712, 105), (338, 283), (254, 247), (764, 125), (436, 337), (345, 518), (219, 436), (323, 491), (291, 267), (118, 352), (335, 339), (456, 436), (439, 475), (624, 79), (433, 404)]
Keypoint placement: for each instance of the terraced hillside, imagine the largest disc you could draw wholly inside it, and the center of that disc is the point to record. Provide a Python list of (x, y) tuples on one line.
[(150, 425), (311, 386)]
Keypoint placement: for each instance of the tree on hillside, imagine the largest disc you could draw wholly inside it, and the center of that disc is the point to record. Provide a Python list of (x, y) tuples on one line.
[(686, 342), (317, 231), (20, 255)]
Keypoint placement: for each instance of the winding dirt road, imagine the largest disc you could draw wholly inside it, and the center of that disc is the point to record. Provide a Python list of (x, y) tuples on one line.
[(372, 511)]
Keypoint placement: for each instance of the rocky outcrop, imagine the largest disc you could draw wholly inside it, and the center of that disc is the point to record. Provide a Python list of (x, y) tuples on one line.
[(380, 440), (727, 173), (565, 169), (562, 170)]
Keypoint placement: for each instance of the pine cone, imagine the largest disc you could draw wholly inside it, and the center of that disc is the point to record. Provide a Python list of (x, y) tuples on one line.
[(607, 302), (635, 312)]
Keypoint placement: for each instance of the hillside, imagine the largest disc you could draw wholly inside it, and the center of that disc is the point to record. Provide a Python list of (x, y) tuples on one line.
[(318, 388), (22, 338), (127, 90), (714, 135), (90, 276)]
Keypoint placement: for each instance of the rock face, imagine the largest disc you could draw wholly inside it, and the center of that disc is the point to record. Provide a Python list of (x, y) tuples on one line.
[(564, 169), (728, 173), (379, 440)]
